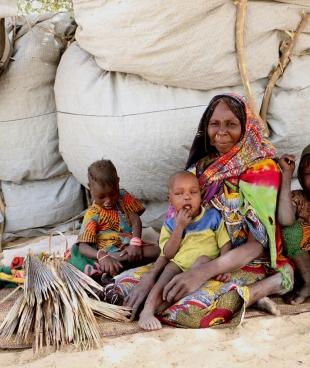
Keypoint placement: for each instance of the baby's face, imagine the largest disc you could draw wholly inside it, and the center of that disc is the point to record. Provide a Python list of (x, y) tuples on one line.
[(104, 196), (184, 192)]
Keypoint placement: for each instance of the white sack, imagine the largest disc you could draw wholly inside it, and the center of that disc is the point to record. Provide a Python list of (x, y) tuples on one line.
[(41, 203), (289, 109), (8, 8), (144, 128), (28, 128), (154, 214), (180, 44)]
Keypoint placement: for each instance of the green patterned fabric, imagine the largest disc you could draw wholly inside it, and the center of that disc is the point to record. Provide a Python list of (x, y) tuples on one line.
[(292, 236)]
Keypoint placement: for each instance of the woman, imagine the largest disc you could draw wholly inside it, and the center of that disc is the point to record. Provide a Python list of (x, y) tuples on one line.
[(237, 176)]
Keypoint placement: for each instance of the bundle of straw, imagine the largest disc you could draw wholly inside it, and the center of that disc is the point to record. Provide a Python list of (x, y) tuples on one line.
[(55, 306)]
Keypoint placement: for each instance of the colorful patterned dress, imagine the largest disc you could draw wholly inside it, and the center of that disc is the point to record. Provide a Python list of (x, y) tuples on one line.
[(107, 229), (243, 185), (297, 236)]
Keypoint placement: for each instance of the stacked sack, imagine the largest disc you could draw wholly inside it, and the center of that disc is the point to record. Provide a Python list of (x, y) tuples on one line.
[(109, 105), (37, 189)]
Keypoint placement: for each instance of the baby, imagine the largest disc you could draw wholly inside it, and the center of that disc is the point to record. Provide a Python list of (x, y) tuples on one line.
[(294, 214), (110, 237), (193, 235)]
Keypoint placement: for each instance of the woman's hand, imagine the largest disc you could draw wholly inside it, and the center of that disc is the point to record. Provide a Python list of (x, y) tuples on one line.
[(138, 294), (182, 285), (110, 265)]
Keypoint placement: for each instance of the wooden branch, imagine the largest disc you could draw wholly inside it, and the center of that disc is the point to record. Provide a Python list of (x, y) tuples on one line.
[(2, 212), (2, 37), (286, 49), (241, 6)]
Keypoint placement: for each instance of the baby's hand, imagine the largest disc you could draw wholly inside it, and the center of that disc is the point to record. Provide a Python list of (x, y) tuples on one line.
[(223, 277), (287, 164), (183, 218)]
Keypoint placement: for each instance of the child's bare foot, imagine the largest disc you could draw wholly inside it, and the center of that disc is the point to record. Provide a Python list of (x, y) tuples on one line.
[(301, 295), (149, 322), (267, 305)]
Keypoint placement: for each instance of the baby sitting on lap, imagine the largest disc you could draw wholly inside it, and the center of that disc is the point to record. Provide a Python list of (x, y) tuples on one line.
[(193, 235)]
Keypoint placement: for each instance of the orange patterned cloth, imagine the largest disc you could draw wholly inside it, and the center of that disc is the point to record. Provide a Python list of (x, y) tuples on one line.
[(110, 229), (302, 205)]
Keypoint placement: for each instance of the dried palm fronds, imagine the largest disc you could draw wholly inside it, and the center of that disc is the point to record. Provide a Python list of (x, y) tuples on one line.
[(55, 306), (110, 311)]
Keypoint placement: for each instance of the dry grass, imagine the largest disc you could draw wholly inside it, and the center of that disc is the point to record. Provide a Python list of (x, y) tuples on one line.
[(56, 308)]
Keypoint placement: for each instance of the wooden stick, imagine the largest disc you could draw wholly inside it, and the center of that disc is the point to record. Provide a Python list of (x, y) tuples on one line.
[(286, 48), (2, 37), (241, 6), (2, 212)]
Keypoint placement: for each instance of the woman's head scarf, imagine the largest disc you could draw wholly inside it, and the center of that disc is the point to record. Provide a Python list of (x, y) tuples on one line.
[(251, 147)]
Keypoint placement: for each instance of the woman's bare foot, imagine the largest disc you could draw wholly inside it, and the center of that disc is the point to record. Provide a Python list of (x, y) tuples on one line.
[(301, 295), (149, 322), (267, 305)]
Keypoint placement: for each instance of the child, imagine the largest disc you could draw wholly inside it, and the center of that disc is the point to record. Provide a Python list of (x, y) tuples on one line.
[(294, 214), (111, 229), (193, 235)]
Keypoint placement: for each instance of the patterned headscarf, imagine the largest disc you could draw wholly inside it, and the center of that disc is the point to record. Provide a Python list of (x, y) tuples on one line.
[(251, 147)]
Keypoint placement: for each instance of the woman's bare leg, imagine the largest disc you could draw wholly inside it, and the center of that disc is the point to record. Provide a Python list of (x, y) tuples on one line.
[(269, 286), (154, 301)]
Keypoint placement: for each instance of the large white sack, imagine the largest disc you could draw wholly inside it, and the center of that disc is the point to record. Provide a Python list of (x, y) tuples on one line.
[(154, 214), (144, 128), (180, 44), (28, 127), (8, 8), (41, 203), (289, 109)]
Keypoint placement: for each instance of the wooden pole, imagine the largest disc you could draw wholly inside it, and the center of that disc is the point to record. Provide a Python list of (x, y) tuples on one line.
[(2, 37), (2, 212), (241, 11)]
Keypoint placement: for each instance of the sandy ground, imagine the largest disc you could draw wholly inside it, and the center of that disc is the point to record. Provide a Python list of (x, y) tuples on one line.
[(276, 342)]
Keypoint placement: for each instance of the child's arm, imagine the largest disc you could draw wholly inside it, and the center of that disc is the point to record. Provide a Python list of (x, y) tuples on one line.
[(134, 249), (286, 210), (87, 250), (136, 224), (182, 219)]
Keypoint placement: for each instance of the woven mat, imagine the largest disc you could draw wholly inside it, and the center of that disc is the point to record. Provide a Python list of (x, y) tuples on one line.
[(110, 328)]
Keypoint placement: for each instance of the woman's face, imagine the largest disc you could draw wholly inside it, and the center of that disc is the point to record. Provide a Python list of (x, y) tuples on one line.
[(224, 128)]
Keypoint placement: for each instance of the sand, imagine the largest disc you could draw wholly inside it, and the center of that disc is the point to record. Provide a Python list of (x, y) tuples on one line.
[(276, 342)]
